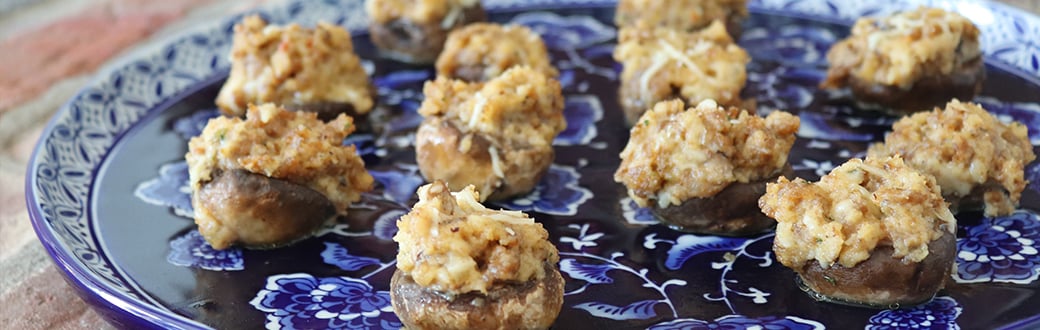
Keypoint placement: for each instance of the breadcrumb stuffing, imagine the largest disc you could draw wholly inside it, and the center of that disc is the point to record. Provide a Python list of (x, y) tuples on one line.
[(678, 14), (964, 147), (857, 207), (451, 243), (290, 65), (675, 154), (662, 63), (281, 144), (522, 107), (900, 49), (420, 12), (494, 48)]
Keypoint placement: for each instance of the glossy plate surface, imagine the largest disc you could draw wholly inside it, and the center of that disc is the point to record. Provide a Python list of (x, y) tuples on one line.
[(106, 188)]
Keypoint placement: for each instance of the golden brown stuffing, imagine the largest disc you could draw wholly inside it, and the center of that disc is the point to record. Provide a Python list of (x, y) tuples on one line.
[(678, 14), (290, 65), (418, 11), (492, 49), (662, 63), (451, 243), (281, 144), (675, 154), (964, 147), (522, 105), (899, 50), (858, 206)]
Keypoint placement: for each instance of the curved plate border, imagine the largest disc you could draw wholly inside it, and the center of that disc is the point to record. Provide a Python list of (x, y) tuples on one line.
[(76, 141)]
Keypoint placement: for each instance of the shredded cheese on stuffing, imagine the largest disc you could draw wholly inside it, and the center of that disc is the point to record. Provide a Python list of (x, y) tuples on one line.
[(290, 65), (526, 108), (964, 147), (857, 207), (293, 146), (707, 64), (902, 48), (451, 243), (675, 154)]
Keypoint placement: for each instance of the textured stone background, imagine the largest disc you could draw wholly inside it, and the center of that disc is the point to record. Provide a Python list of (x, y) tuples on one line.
[(51, 48)]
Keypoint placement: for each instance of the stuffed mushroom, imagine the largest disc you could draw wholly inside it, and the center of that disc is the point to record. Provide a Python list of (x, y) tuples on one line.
[(908, 62), (415, 30), (875, 233), (496, 136), (481, 51), (978, 160), (662, 64), (463, 266), (313, 70), (682, 15), (703, 169), (272, 178)]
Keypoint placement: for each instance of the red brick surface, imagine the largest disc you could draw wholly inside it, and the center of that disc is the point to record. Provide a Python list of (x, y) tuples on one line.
[(45, 301), (35, 59)]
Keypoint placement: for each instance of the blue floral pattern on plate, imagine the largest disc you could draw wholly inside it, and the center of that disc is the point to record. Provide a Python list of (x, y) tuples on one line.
[(559, 32), (1001, 249), (636, 215), (940, 313), (169, 189), (302, 301), (399, 185), (581, 112), (557, 193), (191, 250), (741, 322), (581, 265), (687, 246)]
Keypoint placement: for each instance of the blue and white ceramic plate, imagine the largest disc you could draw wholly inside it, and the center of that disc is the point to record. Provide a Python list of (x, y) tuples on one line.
[(106, 189)]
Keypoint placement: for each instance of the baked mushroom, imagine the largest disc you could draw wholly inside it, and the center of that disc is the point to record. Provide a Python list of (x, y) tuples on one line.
[(414, 30), (682, 15), (908, 62), (978, 161), (312, 70), (481, 51), (703, 169), (463, 266), (496, 136), (272, 178), (874, 233), (662, 64)]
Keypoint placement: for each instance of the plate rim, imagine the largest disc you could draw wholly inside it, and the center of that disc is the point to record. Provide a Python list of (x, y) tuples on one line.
[(116, 305)]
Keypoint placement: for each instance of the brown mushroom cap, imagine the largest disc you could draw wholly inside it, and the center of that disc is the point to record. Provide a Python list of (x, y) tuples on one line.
[(258, 211), (881, 280), (443, 152), (933, 91), (529, 305), (733, 211), (415, 42)]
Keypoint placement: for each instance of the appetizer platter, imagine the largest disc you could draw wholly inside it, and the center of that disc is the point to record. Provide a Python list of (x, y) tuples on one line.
[(784, 164)]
